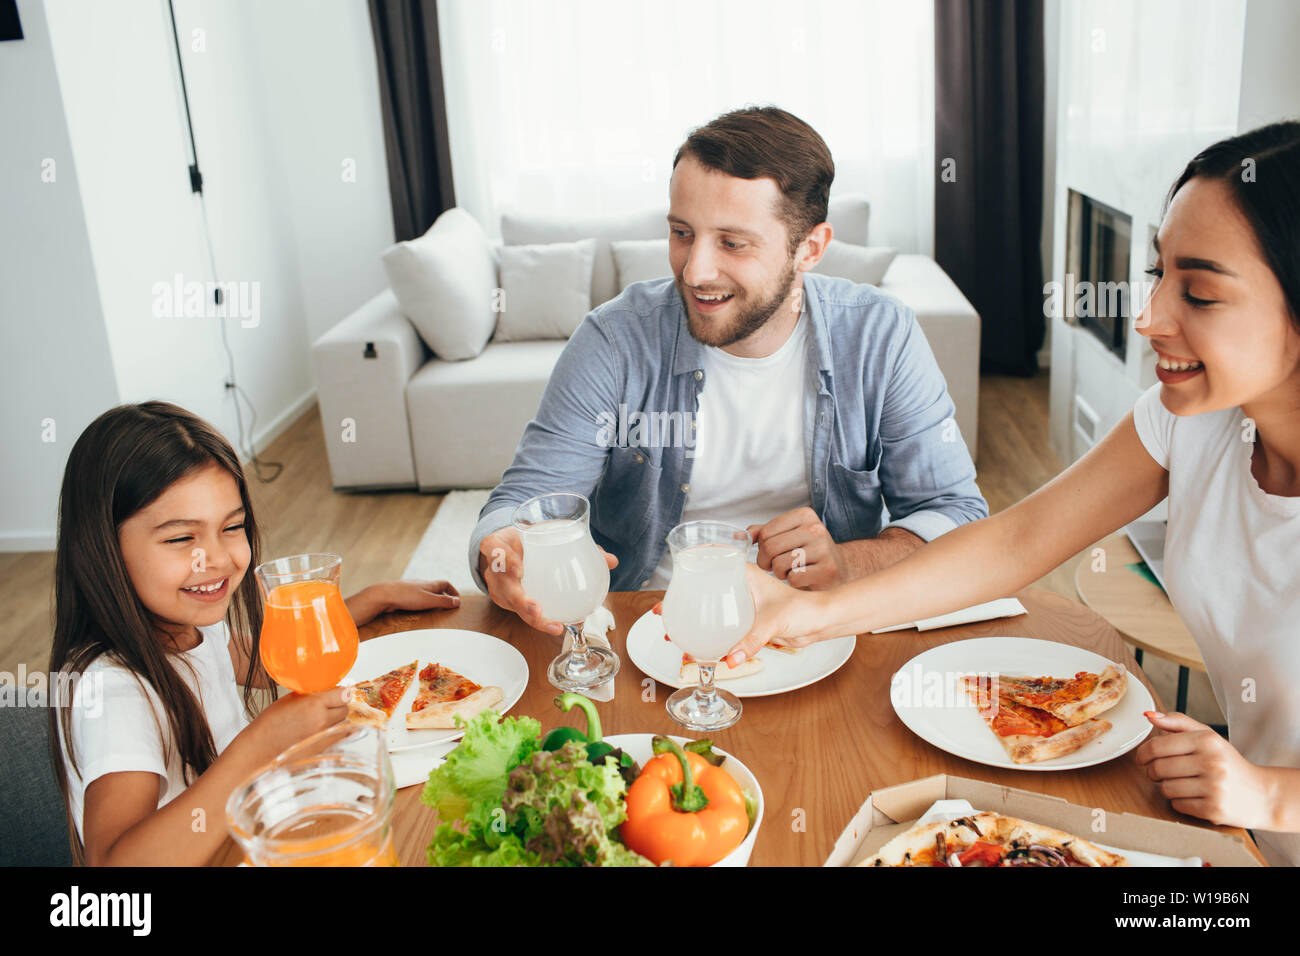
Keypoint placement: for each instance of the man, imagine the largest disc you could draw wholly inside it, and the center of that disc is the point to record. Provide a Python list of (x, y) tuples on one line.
[(787, 403)]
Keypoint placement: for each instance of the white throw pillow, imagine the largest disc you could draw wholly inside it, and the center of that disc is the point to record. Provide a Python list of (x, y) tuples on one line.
[(639, 259), (546, 288), (444, 282), (527, 229), (864, 264)]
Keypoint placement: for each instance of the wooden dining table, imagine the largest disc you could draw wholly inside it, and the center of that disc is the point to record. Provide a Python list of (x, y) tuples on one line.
[(818, 752)]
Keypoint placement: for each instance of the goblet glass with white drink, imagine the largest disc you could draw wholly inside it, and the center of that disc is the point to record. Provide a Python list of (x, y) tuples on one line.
[(566, 574), (707, 610)]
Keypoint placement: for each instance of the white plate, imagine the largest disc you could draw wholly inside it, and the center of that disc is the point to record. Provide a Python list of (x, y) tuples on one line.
[(481, 657), (928, 697), (781, 672)]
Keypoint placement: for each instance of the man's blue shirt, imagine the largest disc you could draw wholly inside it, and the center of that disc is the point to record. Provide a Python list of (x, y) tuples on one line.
[(616, 424)]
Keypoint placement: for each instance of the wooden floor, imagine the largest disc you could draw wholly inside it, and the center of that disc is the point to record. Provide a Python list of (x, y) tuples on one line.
[(376, 533)]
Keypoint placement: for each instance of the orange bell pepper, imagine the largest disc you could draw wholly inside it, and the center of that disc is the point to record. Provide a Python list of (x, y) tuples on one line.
[(683, 810)]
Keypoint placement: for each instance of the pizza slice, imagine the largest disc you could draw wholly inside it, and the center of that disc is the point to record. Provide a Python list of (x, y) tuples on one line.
[(1028, 734), (1074, 699), (443, 695), (372, 702), (990, 839), (690, 670)]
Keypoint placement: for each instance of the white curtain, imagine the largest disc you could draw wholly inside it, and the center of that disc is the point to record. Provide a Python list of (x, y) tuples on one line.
[(576, 107)]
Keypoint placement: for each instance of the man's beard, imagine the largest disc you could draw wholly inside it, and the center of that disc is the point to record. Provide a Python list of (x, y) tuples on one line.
[(749, 321)]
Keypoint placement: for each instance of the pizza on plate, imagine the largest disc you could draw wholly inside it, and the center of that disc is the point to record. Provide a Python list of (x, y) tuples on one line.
[(372, 702), (443, 695), (690, 670), (1039, 718), (990, 839)]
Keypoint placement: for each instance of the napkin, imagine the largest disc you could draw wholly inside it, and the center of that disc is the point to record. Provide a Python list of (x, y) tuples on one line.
[(988, 611), (414, 766), (595, 629)]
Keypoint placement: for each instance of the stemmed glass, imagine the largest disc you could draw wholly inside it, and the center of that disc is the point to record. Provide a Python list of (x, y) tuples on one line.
[(566, 574), (309, 640), (708, 608)]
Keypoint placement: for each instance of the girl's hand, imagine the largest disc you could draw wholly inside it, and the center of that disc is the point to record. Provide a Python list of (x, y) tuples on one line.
[(368, 603), (781, 614), (1203, 775), (296, 717), (417, 595)]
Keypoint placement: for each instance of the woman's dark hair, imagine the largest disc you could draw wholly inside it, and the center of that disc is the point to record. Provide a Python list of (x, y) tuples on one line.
[(764, 142), (123, 461), (1261, 169)]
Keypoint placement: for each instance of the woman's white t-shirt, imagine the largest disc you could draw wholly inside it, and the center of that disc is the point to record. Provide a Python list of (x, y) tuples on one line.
[(1233, 576), (116, 718)]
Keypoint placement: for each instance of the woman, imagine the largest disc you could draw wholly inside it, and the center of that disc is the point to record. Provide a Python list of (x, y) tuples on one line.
[(1220, 438)]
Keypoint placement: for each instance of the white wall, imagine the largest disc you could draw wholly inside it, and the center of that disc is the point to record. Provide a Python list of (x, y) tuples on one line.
[(1270, 69), (52, 334), (124, 113), (282, 95), (1143, 86), (320, 86)]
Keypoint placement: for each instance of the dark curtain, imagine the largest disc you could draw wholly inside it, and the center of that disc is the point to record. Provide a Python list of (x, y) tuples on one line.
[(415, 112), (988, 192)]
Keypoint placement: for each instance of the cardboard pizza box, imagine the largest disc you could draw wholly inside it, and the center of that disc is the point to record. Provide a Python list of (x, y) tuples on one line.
[(892, 810)]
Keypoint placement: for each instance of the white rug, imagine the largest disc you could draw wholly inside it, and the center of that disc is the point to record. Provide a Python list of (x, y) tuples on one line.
[(443, 551)]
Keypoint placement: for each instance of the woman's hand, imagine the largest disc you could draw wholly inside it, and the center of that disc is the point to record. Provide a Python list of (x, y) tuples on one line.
[(781, 615), (1204, 776), (296, 717), (368, 603)]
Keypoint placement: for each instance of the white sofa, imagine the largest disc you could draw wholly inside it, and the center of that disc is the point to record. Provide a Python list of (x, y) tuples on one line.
[(397, 416)]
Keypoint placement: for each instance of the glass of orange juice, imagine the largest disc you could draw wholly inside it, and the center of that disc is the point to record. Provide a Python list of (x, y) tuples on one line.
[(309, 640), (327, 801)]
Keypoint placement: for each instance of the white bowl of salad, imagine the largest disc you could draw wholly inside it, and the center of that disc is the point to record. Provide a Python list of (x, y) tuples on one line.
[(640, 747)]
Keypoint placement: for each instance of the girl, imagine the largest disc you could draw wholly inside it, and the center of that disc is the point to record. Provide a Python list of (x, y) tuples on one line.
[(156, 612), (1220, 437)]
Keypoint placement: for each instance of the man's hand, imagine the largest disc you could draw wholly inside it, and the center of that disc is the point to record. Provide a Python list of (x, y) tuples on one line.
[(1203, 775), (798, 549), (501, 562)]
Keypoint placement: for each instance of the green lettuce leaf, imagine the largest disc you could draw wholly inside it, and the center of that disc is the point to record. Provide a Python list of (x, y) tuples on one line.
[(471, 781), (565, 810)]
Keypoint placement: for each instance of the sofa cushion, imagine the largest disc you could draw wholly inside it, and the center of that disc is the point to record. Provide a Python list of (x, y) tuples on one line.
[(642, 259), (546, 290), (519, 229), (467, 417), (864, 264), (636, 260), (444, 282), (849, 215)]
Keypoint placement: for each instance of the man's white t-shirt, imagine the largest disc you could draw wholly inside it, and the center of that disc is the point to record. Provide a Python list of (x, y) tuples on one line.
[(1231, 569), (116, 718), (750, 461)]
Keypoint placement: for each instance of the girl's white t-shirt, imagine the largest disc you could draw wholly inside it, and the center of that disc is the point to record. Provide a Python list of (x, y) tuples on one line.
[(116, 719), (1233, 577)]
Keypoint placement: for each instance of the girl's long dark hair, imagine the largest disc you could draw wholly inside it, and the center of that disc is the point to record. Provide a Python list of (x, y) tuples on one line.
[(1262, 170), (121, 463)]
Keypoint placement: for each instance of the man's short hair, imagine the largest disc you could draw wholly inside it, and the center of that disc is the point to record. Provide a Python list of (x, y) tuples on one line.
[(766, 142)]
